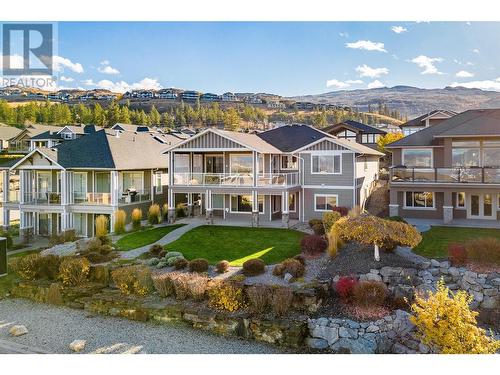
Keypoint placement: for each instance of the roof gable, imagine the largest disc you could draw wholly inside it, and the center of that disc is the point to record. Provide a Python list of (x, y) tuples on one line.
[(210, 140)]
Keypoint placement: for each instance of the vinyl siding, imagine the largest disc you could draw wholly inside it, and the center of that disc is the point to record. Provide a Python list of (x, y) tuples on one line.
[(343, 179), (210, 141)]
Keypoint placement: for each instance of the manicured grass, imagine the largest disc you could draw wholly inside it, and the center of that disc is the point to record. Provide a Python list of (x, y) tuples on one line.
[(24, 253), (435, 241), (238, 244), (144, 237)]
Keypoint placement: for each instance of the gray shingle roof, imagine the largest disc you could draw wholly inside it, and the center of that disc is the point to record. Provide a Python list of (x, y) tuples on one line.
[(356, 125), (291, 137), (8, 132), (418, 120)]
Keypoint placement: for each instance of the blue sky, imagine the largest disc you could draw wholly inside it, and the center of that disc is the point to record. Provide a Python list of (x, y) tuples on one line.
[(285, 58)]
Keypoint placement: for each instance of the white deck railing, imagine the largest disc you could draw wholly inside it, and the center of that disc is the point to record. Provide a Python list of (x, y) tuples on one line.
[(231, 179)]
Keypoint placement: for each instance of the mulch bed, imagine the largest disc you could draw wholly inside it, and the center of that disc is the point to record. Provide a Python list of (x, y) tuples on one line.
[(355, 258)]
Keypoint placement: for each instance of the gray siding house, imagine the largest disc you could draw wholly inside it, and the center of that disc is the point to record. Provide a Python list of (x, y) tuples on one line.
[(293, 172)]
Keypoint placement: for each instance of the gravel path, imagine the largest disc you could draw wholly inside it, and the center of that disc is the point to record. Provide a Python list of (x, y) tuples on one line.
[(168, 238), (54, 328)]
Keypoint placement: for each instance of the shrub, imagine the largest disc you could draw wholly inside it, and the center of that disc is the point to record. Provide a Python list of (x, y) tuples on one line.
[(54, 294), (254, 267), (313, 244), (163, 284), (26, 267), (300, 258), (318, 229), (281, 300), (485, 250), (63, 237), (133, 280), (457, 254), (180, 263), (197, 286), (198, 265), (314, 222), (155, 250), (48, 266), (172, 254), (101, 226), (162, 254), (152, 261), (120, 220), (180, 283), (226, 296), (154, 214), (345, 287), (164, 212), (355, 211), (291, 266), (370, 293), (136, 218), (74, 271), (399, 219), (329, 218), (179, 211), (98, 250), (222, 266), (172, 260), (99, 274), (446, 323), (259, 297), (334, 243), (343, 211)]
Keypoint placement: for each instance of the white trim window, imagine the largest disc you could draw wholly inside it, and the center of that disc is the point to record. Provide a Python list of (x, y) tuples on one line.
[(241, 204), (325, 202), (158, 183), (241, 163), (460, 200), (80, 186), (133, 181), (289, 162), (418, 157), (419, 200), (326, 163)]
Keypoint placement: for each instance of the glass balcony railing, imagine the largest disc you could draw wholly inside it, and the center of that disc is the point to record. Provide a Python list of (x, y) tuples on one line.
[(46, 197), (134, 197), (479, 175), (231, 179), (92, 198)]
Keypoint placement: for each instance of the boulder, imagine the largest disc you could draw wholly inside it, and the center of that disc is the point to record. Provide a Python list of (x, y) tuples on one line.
[(330, 334), (315, 343), (77, 345), (372, 328), (348, 333), (288, 277), (360, 346), (18, 330)]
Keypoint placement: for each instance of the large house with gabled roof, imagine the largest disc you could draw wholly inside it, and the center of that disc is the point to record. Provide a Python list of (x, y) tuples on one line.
[(293, 172)]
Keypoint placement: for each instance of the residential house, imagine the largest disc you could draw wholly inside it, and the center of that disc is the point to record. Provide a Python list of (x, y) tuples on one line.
[(209, 97), (450, 170), (67, 133), (167, 94), (229, 97), (357, 132), (292, 172), (7, 133), (68, 186), (190, 96), (21, 143), (432, 118), (274, 104), (131, 128)]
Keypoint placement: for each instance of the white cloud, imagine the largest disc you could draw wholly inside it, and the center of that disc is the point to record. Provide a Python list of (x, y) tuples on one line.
[(122, 86), (106, 68), (337, 84), (375, 84), (367, 45), (489, 84), (399, 29), (66, 79), (427, 64), (464, 74), (468, 23), (354, 81), (60, 63), (475, 50), (366, 71)]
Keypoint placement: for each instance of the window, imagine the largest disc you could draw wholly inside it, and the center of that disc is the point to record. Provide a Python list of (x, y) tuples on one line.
[(241, 203), (326, 164), (44, 183), (291, 203), (241, 164), (158, 184), (460, 200), (214, 164), (260, 163), (491, 154), (181, 163), (417, 158), (498, 201), (132, 181), (80, 224), (465, 157), (288, 162), (80, 186), (260, 203), (369, 138), (347, 134), (102, 182), (419, 199), (325, 202)]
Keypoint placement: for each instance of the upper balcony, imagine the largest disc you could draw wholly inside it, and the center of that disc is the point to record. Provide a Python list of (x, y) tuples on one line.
[(50, 198), (457, 175), (236, 180)]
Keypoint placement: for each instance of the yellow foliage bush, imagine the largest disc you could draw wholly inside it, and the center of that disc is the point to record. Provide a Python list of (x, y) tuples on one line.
[(226, 296), (120, 220), (136, 218), (74, 271), (133, 280), (154, 214), (101, 226), (446, 323), (330, 218)]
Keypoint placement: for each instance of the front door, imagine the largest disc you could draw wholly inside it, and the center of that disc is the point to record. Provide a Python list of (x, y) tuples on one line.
[(480, 206)]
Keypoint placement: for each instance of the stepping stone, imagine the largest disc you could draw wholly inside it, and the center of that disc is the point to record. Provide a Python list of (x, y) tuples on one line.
[(77, 345), (18, 330)]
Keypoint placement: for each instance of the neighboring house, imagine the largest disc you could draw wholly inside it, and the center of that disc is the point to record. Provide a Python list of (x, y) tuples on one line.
[(229, 97), (357, 132), (67, 133), (21, 143), (7, 133), (450, 170), (131, 128), (292, 172), (426, 120), (190, 96), (167, 95), (209, 97), (275, 105), (68, 186)]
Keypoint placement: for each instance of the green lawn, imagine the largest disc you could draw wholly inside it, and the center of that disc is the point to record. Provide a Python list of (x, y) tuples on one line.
[(144, 237), (238, 244), (435, 241)]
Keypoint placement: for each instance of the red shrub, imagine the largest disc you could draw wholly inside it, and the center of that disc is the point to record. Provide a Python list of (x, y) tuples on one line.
[(457, 254), (313, 244), (343, 211), (345, 286)]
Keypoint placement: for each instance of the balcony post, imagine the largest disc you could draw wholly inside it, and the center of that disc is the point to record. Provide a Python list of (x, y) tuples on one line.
[(5, 198), (115, 191), (255, 209), (171, 206), (447, 207), (285, 216), (393, 203), (208, 204)]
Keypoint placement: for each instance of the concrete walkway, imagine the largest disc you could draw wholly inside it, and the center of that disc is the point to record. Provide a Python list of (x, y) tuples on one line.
[(168, 238), (464, 223)]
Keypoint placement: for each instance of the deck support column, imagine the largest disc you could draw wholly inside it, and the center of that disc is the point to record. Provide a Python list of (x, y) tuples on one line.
[(190, 205), (393, 203), (285, 215), (171, 207), (209, 213), (447, 208), (255, 209)]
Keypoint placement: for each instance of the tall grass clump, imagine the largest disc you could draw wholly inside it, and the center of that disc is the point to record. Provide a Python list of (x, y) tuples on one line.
[(101, 226), (136, 218), (120, 219), (154, 214)]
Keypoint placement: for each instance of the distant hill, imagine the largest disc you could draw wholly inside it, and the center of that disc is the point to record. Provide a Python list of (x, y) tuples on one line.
[(412, 101)]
